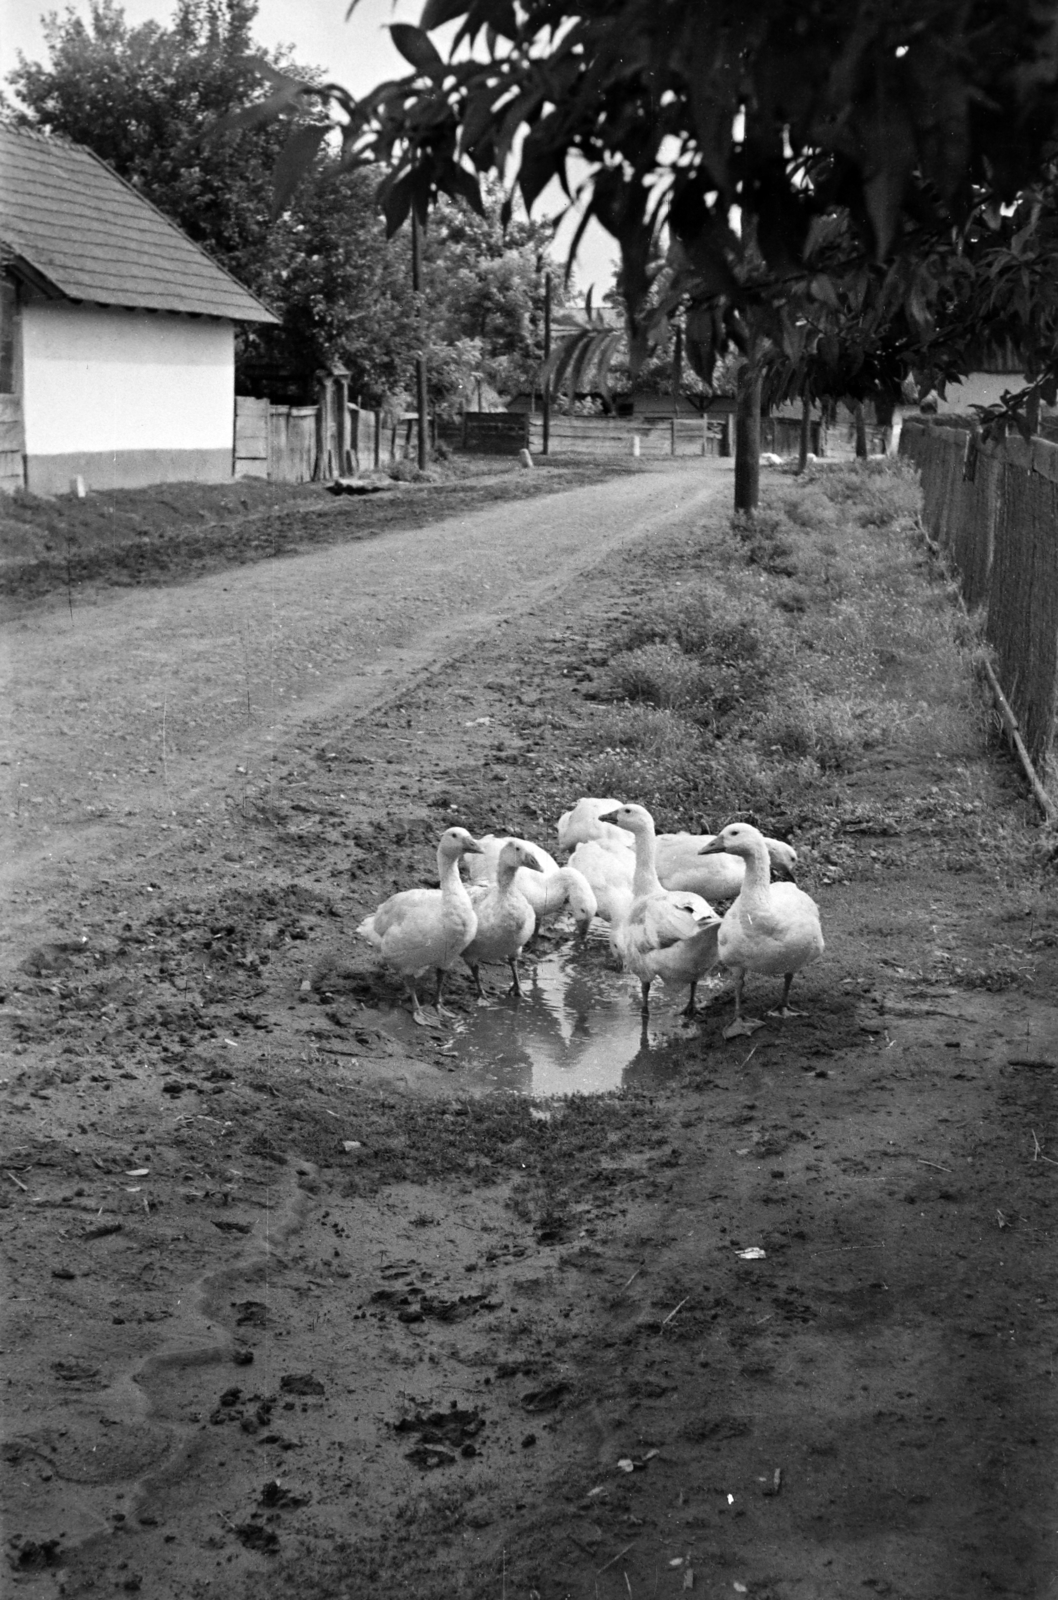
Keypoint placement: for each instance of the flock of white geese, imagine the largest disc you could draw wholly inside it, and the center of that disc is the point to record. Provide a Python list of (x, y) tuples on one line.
[(654, 890)]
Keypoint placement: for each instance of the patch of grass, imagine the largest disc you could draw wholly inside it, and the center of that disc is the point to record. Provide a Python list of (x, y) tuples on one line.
[(662, 674), (763, 657), (711, 655)]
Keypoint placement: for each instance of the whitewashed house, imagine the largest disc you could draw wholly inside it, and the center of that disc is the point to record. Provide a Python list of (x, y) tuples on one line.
[(116, 331)]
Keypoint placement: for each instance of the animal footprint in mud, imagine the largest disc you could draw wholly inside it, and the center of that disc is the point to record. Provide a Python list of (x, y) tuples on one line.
[(545, 1399), (441, 1433), (274, 1496)]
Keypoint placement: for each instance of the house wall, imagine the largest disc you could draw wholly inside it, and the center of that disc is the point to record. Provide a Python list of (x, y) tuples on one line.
[(124, 398)]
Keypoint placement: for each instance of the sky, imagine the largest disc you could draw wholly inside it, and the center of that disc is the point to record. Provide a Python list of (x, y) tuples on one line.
[(357, 53)]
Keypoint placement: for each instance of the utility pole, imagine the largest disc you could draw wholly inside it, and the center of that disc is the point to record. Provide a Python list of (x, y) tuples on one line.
[(546, 449), (420, 359)]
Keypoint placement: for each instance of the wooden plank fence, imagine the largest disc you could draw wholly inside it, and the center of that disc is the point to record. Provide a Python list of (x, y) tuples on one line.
[(993, 509), (657, 436), (12, 443), (300, 444)]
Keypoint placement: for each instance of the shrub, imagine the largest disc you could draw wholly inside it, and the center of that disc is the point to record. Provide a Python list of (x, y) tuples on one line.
[(661, 674)]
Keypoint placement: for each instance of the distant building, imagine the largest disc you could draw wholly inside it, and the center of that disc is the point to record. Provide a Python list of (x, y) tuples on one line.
[(117, 352)]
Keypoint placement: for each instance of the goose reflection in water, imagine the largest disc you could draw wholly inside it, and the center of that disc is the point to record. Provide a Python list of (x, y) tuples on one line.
[(574, 1032)]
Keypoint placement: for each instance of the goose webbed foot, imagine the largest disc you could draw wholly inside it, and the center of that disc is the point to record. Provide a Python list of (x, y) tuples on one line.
[(442, 1011), (786, 1011), (417, 1013), (742, 1027)]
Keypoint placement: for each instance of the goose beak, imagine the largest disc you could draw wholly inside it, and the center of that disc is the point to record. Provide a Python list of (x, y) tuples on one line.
[(472, 848), (714, 848), (531, 865), (781, 873), (609, 816)]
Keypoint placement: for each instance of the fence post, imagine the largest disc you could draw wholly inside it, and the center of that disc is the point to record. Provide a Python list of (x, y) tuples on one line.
[(324, 467), (340, 379), (377, 449), (672, 428)]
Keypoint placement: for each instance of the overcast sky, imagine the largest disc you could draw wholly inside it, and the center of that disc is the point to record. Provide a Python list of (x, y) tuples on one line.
[(357, 53)]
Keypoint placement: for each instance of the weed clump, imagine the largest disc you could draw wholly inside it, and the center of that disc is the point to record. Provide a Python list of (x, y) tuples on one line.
[(776, 649)]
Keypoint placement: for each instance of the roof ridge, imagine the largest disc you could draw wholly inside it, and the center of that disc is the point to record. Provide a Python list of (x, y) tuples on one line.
[(95, 215), (147, 201)]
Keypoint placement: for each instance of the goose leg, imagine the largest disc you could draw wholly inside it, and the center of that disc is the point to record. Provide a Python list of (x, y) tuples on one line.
[(741, 1025), (644, 984), (441, 976), (689, 1008), (516, 988), (417, 1013), (783, 1009), (475, 972)]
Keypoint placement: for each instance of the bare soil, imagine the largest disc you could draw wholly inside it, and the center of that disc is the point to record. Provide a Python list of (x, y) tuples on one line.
[(166, 534), (291, 1312)]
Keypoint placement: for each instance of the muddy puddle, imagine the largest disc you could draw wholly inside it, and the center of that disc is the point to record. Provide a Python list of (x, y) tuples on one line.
[(576, 1030)]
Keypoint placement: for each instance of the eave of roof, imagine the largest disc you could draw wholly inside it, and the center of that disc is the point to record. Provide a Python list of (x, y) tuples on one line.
[(79, 231)]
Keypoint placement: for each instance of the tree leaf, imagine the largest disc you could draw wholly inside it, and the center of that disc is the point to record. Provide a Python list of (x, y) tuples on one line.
[(396, 202), (290, 96), (463, 183), (416, 48), (293, 161)]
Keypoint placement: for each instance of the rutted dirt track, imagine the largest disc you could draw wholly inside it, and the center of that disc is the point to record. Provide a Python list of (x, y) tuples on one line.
[(133, 707), (290, 1315)]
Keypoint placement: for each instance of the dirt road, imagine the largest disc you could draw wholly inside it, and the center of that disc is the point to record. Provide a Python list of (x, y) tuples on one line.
[(124, 715), (293, 1311)]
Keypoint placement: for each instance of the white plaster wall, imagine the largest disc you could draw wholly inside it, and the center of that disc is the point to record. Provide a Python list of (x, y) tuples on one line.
[(96, 379)]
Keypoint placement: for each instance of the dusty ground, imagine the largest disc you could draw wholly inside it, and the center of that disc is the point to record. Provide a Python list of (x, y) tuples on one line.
[(292, 1313)]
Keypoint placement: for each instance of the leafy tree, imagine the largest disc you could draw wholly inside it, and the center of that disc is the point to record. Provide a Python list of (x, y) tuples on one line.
[(148, 99), (484, 297), (737, 132), (142, 96)]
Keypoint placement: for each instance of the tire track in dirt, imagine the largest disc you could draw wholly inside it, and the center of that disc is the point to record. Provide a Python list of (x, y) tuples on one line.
[(135, 1435), (155, 702)]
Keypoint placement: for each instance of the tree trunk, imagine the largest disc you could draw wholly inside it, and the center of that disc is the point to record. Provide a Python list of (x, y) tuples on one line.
[(747, 441), (806, 434), (861, 431), (421, 401)]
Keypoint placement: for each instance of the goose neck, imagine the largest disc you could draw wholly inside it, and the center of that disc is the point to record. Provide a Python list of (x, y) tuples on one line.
[(757, 883), (448, 873), (645, 879)]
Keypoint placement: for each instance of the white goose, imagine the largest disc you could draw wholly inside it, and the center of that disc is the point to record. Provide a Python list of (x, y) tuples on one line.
[(505, 917), (609, 874), (422, 929), (667, 934), (549, 891), (483, 868), (720, 875), (586, 821), (554, 892), (678, 855), (772, 928)]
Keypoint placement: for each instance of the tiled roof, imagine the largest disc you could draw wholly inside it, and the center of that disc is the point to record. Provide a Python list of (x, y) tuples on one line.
[(91, 236)]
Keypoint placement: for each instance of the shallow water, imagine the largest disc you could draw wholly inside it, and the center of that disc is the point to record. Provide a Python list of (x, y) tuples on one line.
[(576, 1030)]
